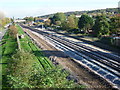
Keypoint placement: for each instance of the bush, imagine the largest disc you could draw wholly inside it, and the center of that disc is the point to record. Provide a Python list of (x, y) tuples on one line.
[(52, 78), (106, 40), (20, 68), (15, 82), (13, 31)]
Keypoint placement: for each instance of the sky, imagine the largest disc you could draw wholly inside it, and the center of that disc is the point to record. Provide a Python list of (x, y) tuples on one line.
[(23, 8)]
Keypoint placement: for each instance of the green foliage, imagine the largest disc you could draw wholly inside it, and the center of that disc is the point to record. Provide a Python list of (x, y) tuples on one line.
[(85, 22), (58, 17), (9, 47), (110, 10), (24, 73), (20, 31), (8, 50), (101, 26), (71, 23), (52, 78), (21, 65), (19, 69), (29, 19), (106, 40), (15, 82), (114, 25)]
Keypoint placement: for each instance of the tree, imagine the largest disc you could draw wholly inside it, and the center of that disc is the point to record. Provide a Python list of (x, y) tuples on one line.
[(13, 31), (58, 17), (71, 23), (29, 19), (101, 26), (114, 25), (85, 22)]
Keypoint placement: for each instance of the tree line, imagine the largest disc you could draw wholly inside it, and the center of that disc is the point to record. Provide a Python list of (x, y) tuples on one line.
[(100, 25)]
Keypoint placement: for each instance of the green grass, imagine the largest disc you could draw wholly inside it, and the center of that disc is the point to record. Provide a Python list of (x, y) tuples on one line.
[(27, 45), (20, 31), (9, 46)]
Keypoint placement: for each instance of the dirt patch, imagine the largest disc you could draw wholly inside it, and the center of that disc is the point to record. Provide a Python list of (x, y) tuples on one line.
[(82, 75)]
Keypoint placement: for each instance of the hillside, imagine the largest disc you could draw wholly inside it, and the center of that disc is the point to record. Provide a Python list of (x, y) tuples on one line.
[(108, 10)]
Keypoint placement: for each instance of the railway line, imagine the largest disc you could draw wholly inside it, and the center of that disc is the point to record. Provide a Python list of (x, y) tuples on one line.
[(106, 65), (89, 52)]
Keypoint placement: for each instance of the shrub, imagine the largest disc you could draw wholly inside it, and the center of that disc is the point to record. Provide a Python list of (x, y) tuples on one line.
[(20, 66), (13, 31), (52, 78)]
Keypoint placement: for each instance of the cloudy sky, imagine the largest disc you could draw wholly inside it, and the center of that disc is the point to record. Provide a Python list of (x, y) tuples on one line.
[(22, 8)]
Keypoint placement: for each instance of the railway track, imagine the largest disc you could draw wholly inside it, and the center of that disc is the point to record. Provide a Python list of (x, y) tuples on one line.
[(108, 64), (112, 73), (93, 55)]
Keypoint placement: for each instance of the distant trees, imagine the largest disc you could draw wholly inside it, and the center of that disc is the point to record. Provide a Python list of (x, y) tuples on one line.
[(85, 23), (29, 19), (58, 18), (99, 23), (71, 23), (67, 23), (101, 26), (114, 25)]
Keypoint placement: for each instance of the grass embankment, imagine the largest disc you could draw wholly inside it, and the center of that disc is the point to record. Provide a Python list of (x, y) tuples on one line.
[(9, 46), (29, 68), (28, 45)]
